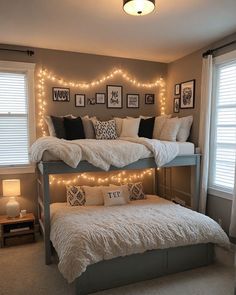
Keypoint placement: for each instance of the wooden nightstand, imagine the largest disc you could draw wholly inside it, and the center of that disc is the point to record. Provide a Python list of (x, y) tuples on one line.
[(16, 231)]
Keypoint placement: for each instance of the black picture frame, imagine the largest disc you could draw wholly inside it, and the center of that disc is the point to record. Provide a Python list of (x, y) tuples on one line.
[(117, 91), (176, 106), (99, 97), (177, 89), (187, 94), (91, 101), (80, 100), (149, 98), (60, 94), (129, 102)]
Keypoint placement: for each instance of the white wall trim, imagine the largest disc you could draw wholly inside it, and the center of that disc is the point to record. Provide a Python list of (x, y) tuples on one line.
[(219, 193)]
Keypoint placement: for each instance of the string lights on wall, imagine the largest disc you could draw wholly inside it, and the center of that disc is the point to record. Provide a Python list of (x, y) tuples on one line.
[(119, 178), (45, 75)]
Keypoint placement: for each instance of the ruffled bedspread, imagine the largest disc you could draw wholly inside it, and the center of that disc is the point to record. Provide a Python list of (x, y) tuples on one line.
[(86, 235), (104, 153)]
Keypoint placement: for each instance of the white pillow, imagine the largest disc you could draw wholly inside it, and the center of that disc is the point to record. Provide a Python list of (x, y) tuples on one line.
[(158, 125), (170, 129), (184, 129), (119, 123), (125, 190), (114, 196), (130, 127), (93, 195)]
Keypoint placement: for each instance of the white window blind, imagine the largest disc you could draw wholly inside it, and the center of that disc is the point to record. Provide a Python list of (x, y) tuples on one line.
[(14, 134), (223, 143)]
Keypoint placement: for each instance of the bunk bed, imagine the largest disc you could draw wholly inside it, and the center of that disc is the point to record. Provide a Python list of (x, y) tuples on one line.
[(115, 272)]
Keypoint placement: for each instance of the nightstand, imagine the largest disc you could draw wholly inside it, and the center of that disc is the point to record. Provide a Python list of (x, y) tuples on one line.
[(16, 231)]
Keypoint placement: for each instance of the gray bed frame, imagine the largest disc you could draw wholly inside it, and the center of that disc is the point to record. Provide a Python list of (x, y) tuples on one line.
[(129, 269)]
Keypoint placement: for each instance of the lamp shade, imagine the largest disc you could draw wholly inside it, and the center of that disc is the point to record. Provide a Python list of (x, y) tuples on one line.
[(11, 187), (138, 7)]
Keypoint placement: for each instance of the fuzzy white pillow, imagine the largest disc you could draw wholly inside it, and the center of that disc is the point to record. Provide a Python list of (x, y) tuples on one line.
[(114, 196), (170, 129), (93, 195), (158, 125), (184, 129), (130, 127)]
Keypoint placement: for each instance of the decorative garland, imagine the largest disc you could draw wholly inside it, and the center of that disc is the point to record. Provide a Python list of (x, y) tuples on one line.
[(46, 75)]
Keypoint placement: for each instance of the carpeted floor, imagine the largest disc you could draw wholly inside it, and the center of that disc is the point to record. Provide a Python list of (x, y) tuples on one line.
[(23, 272)]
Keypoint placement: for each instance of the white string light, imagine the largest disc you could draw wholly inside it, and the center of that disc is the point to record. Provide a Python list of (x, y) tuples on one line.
[(44, 75), (119, 178)]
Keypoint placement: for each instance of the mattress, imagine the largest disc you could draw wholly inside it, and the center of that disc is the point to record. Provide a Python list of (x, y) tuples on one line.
[(84, 235), (185, 148)]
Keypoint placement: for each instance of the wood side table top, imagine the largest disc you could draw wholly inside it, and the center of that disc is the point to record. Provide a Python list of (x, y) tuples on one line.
[(4, 219)]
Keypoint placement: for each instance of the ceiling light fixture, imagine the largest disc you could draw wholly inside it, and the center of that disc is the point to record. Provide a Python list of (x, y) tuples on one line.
[(138, 7)]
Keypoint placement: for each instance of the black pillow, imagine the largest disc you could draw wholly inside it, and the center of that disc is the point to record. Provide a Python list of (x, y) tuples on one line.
[(146, 127), (58, 124), (74, 128)]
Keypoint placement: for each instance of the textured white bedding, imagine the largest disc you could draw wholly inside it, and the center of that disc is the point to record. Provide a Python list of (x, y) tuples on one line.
[(85, 235), (104, 153)]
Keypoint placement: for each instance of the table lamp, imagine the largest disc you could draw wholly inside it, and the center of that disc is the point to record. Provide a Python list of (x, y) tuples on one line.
[(11, 188)]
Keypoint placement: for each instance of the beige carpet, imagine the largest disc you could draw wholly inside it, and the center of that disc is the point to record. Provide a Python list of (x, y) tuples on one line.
[(22, 272)]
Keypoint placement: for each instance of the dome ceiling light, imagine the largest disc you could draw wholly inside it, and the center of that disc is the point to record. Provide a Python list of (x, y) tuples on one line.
[(138, 7)]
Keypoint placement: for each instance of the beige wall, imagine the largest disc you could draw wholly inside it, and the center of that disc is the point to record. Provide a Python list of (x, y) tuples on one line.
[(82, 67)]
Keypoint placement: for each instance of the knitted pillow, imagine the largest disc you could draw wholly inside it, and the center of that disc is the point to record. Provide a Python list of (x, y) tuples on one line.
[(75, 195), (105, 130), (136, 191)]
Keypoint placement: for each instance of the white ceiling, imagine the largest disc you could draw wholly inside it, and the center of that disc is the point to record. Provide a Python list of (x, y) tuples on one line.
[(175, 29)]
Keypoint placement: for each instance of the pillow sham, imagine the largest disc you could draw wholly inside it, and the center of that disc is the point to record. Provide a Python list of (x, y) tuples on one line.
[(114, 196), (49, 123), (74, 128), (130, 127), (58, 125), (125, 190), (119, 123), (88, 127), (146, 127), (158, 125), (184, 129), (170, 129), (136, 191), (75, 195), (105, 129), (93, 195)]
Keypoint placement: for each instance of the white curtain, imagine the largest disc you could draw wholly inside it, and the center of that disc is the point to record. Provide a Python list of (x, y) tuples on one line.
[(232, 229), (204, 128)]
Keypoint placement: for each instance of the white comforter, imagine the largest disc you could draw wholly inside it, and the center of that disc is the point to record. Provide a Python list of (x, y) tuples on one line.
[(86, 235), (104, 153)]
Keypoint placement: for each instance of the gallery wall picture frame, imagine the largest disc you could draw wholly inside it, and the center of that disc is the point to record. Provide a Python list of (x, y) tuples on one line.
[(61, 94), (114, 97), (176, 105), (132, 101), (80, 100), (149, 98), (100, 98), (187, 95), (91, 101), (177, 89)]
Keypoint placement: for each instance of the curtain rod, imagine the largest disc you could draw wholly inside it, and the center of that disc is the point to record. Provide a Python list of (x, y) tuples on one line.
[(212, 51), (28, 52)]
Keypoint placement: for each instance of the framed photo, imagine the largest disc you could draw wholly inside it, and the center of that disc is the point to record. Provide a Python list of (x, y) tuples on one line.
[(133, 101), (149, 98), (176, 105), (187, 96), (60, 94), (100, 98), (80, 100), (114, 97), (177, 89), (91, 101)]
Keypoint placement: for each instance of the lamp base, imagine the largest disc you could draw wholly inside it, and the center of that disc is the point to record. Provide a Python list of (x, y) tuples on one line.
[(13, 208)]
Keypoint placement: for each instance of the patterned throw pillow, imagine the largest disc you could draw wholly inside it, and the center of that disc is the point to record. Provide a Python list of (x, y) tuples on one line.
[(75, 195), (136, 191), (105, 130)]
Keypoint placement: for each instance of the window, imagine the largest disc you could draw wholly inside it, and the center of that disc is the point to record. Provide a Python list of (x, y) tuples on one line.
[(223, 127), (17, 127)]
